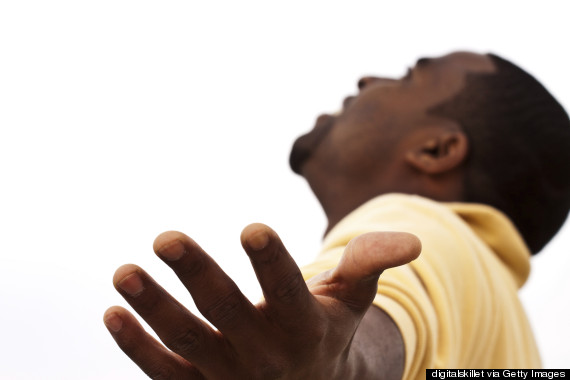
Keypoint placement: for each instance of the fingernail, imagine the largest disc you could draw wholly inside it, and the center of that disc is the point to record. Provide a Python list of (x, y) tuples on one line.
[(114, 322), (131, 284), (258, 241), (172, 251)]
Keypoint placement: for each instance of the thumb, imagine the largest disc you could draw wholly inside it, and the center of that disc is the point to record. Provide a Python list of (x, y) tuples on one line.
[(364, 259)]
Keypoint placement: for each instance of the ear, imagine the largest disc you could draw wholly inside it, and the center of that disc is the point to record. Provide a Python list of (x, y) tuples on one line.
[(439, 153)]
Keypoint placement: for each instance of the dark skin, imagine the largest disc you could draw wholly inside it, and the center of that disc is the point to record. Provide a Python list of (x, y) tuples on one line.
[(383, 141)]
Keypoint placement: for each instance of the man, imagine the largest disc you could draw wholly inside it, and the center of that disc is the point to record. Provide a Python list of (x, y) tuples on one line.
[(467, 141)]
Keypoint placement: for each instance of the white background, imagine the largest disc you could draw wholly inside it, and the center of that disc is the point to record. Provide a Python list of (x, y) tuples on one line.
[(121, 119)]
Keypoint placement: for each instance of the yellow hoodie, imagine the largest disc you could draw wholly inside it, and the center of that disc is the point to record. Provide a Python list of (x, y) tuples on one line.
[(456, 305)]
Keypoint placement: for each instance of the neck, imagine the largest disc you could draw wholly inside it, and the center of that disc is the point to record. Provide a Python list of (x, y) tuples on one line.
[(336, 209), (333, 221)]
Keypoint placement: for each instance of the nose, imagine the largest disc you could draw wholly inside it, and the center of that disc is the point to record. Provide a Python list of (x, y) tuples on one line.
[(366, 81)]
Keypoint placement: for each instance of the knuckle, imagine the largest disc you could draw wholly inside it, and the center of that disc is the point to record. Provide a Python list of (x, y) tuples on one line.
[(224, 311), (148, 301), (192, 267), (290, 287), (185, 343)]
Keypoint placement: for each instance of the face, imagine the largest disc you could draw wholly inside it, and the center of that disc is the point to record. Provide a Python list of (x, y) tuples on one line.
[(363, 144)]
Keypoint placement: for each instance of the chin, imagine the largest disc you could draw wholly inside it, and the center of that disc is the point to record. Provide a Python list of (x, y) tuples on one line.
[(306, 144), (300, 153)]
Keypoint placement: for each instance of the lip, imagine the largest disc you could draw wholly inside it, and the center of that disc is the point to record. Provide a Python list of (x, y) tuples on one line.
[(347, 101), (322, 125)]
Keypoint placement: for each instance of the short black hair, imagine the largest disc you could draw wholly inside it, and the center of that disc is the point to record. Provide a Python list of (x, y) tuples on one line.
[(519, 158)]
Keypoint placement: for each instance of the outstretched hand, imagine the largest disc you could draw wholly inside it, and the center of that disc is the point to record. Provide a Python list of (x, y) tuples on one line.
[(300, 331)]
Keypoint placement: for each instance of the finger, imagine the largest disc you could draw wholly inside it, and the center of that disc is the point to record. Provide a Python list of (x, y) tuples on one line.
[(364, 259), (177, 327), (215, 294), (286, 293), (152, 357)]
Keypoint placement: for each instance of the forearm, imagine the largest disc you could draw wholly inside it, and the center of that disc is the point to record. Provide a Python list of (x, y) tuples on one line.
[(377, 351)]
